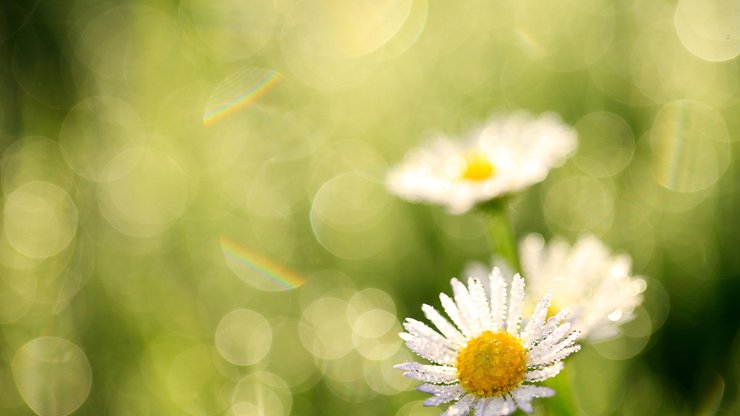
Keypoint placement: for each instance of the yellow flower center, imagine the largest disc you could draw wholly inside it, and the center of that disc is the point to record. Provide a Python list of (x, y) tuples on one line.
[(477, 167), (492, 364), (552, 310)]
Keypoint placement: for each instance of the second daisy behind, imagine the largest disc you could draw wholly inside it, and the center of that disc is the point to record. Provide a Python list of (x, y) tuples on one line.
[(485, 359)]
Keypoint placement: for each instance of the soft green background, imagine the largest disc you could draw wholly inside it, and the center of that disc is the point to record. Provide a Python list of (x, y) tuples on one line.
[(132, 231)]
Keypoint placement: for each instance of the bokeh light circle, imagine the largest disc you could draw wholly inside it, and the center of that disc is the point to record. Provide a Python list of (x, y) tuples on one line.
[(40, 219), (539, 31), (651, 193), (372, 316), (232, 29), (97, 130), (345, 378), (580, 204), (194, 383), (710, 29), (243, 337), (324, 329), (148, 197), (124, 42), (345, 215), (689, 145), (244, 409), (264, 392), (53, 376), (407, 35), (635, 336), (376, 334), (605, 144), (345, 29), (288, 358), (34, 158)]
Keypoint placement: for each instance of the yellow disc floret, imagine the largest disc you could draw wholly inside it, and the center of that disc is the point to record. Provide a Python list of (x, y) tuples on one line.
[(492, 364), (477, 167), (552, 310)]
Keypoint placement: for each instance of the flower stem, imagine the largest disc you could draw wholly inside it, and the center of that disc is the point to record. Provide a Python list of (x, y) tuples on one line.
[(503, 242)]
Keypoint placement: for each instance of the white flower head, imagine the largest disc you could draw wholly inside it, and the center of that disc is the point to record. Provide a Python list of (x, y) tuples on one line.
[(487, 359), (504, 156), (596, 286)]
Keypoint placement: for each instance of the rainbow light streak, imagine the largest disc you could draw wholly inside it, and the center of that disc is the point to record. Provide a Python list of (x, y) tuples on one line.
[(244, 257), (257, 82)]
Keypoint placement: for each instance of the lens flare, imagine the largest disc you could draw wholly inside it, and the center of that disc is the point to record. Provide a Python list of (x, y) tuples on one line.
[(239, 90), (248, 264)]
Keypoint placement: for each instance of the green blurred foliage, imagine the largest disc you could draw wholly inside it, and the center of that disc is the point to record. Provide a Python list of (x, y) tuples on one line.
[(195, 219)]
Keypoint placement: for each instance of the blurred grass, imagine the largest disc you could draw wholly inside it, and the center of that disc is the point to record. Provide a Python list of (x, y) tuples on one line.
[(117, 197)]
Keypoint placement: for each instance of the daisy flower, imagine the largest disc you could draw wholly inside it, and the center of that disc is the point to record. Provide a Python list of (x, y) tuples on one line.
[(506, 155), (596, 286), (487, 359)]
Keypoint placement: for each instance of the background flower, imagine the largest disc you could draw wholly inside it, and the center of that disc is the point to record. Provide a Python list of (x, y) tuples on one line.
[(597, 287), (507, 154)]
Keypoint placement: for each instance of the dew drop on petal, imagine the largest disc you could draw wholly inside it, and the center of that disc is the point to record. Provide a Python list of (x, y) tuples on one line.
[(615, 315)]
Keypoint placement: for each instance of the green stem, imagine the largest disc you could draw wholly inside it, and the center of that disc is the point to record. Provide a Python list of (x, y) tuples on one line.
[(503, 242)]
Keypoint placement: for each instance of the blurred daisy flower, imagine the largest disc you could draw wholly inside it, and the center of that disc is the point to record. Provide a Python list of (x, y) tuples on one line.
[(484, 360), (506, 155), (596, 286)]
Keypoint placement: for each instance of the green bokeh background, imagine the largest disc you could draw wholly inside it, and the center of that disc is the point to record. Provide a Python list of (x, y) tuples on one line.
[(133, 230)]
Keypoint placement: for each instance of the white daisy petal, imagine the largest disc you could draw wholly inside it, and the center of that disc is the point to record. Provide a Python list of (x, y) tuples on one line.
[(552, 323), (454, 313), (525, 406), (536, 322), (545, 372), (438, 389), (480, 407), (544, 345), (500, 406), (462, 407), (509, 406), (495, 406), (428, 373), (530, 392), (421, 330), (480, 302), (498, 299), (516, 304), (567, 341), (425, 349), (557, 355), (445, 327), (523, 395), (542, 356), (442, 393), (468, 310)]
